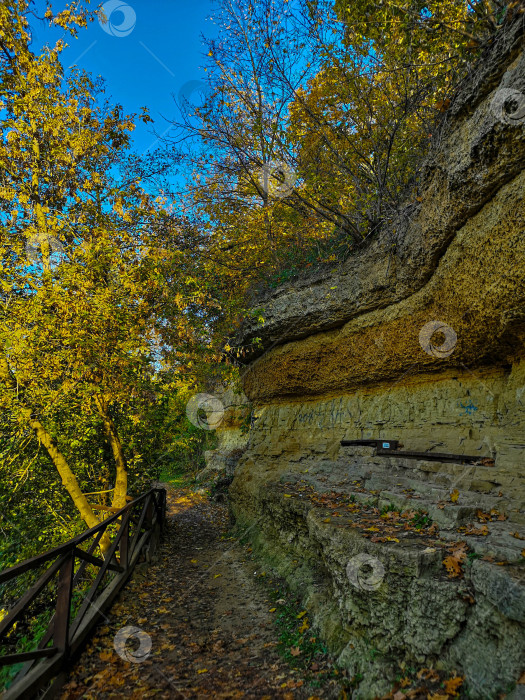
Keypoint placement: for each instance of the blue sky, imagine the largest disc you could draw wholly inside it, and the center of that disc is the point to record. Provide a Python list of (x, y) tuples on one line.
[(147, 52)]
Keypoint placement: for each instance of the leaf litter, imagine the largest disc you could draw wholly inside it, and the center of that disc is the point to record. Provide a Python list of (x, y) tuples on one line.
[(211, 628)]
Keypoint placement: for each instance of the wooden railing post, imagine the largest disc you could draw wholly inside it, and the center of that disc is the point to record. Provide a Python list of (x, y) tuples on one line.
[(162, 495), (124, 543), (63, 607), (149, 511)]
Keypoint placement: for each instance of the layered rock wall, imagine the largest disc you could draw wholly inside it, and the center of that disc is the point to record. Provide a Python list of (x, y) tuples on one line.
[(354, 354)]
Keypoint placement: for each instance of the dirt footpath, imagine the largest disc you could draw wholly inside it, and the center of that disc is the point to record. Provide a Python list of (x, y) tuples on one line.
[(195, 624)]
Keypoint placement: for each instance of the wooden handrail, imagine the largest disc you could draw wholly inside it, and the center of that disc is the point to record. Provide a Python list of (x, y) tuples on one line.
[(67, 635), (35, 562)]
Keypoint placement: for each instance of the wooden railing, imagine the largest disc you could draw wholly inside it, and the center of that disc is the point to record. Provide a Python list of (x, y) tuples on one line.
[(134, 532)]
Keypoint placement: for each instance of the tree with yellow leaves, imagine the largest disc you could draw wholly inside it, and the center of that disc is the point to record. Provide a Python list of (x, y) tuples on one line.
[(84, 295), (316, 120)]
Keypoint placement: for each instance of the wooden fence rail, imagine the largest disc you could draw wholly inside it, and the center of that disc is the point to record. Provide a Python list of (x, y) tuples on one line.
[(136, 528)]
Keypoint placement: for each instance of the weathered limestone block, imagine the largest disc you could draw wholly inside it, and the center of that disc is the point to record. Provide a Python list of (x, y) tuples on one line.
[(477, 289), (232, 434), (412, 615), (505, 592), (462, 413)]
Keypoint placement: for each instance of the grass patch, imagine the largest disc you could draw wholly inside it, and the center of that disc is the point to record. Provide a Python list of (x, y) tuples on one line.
[(178, 478), (390, 508), (421, 520), (298, 644)]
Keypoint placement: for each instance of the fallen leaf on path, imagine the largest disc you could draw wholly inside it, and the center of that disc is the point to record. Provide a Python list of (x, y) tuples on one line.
[(304, 626), (477, 531), (428, 674), (116, 681), (452, 685), (459, 551)]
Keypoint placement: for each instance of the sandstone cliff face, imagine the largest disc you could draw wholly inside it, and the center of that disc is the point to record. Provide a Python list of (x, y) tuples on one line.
[(352, 354), (232, 433)]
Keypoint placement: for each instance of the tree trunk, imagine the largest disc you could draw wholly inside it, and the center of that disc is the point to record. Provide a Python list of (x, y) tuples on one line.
[(121, 480), (69, 480)]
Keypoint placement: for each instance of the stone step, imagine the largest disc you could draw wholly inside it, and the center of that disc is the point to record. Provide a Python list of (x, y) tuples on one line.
[(499, 544), (451, 515)]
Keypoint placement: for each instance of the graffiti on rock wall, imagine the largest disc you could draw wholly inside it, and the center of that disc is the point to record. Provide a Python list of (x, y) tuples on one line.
[(325, 415)]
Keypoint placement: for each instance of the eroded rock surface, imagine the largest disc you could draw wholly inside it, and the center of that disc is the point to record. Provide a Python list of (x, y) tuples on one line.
[(232, 433), (346, 357), (472, 157)]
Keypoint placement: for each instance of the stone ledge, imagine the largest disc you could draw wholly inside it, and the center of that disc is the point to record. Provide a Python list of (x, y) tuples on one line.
[(416, 615)]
